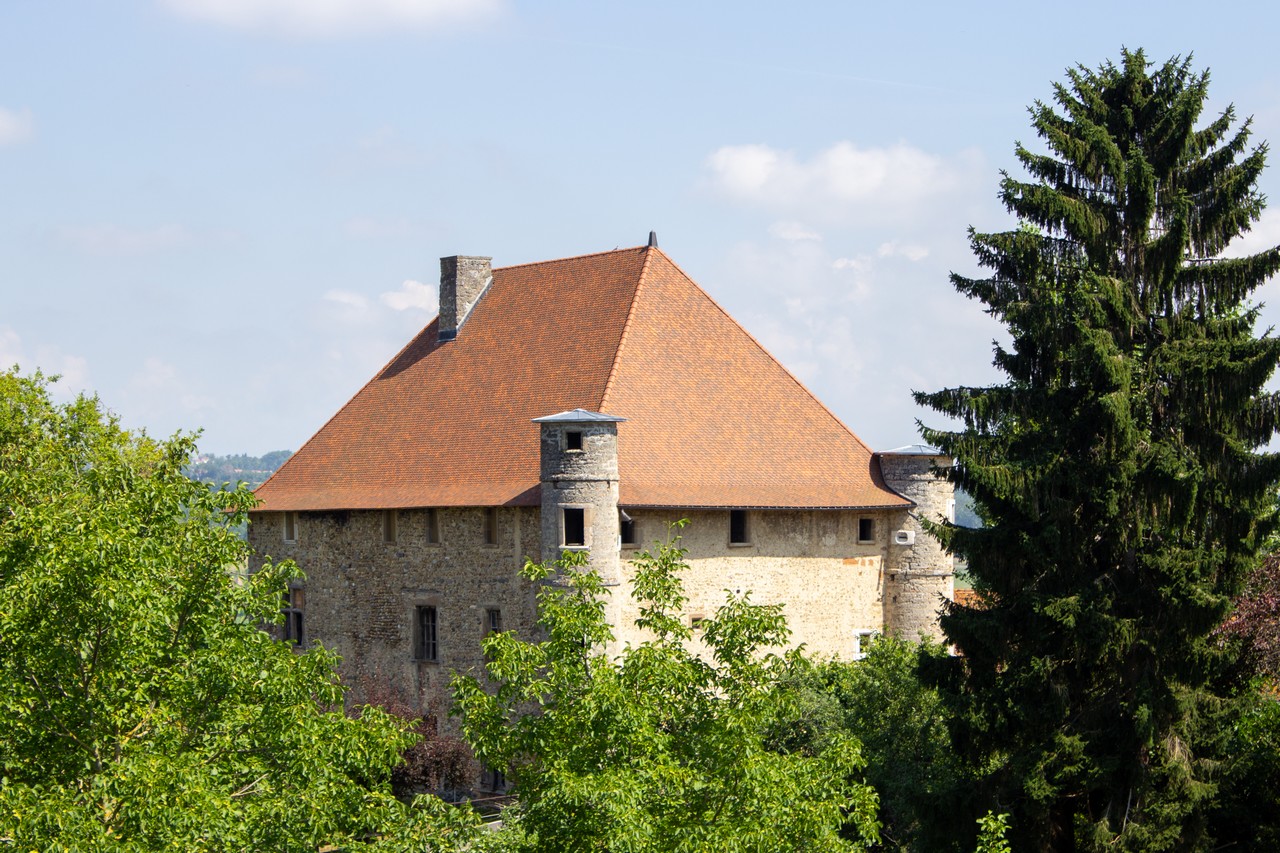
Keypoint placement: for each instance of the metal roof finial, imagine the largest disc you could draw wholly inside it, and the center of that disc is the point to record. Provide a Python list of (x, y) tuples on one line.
[(653, 239)]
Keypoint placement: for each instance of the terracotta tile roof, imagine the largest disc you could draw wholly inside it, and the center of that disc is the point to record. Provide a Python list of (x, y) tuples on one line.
[(712, 419)]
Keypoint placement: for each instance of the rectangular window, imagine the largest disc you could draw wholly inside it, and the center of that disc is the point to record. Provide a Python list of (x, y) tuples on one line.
[(492, 620), (627, 531), (866, 530), (573, 440), (389, 520), (575, 526), (491, 526), (291, 527), (291, 605), (739, 530), (492, 780), (425, 644), (433, 527), (862, 642)]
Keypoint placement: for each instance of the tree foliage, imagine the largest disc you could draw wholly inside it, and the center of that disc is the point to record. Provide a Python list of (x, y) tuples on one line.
[(1117, 467), (902, 726), (141, 705), (661, 749), (1254, 624)]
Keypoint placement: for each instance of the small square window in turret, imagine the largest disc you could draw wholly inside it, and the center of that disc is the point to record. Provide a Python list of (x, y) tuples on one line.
[(866, 529), (573, 440)]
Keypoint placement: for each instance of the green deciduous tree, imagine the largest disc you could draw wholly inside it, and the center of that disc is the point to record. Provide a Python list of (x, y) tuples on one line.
[(1117, 467), (141, 706), (660, 749)]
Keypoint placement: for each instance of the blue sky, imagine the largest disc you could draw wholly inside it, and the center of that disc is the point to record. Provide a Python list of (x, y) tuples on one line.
[(227, 214)]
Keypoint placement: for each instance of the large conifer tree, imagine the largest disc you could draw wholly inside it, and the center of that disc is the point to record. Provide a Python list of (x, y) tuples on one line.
[(1118, 466)]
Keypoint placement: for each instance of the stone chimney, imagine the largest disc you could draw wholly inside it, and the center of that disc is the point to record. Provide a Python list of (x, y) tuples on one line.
[(463, 280)]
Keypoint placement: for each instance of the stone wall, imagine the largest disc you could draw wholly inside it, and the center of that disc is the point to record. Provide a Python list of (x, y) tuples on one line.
[(362, 593), (811, 561), (921, 574)]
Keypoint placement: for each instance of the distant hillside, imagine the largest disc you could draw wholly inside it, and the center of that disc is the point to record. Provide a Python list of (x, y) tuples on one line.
[(238, 467)]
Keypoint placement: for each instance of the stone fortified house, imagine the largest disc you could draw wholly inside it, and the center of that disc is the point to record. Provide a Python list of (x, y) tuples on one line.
[(588, 403)]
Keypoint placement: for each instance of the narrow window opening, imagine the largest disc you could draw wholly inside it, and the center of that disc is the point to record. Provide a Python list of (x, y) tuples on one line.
[(573, 440), (627, 530), (492, 620), (492, 780), (739, 530), (389, 523), (291, 605), (697, 623), (433, 526), (491, 526), (866, 529), (425, 645), (862, 642), (291, 527), (575, 526)]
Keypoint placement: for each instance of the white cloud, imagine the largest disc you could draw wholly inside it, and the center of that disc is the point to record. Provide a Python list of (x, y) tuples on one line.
[(337, 18), (1264, 235), (119, 240), (910, 252), (859, 264), (412, 294), (73, 369), (157, 386), (842, 180), (793, 231), (15, 126), (347, 298)]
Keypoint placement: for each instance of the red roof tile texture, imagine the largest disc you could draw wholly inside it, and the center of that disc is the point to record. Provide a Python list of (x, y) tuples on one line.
[(712, 419)]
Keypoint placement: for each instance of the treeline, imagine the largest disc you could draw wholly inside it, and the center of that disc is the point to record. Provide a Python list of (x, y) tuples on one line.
[(236, 467)]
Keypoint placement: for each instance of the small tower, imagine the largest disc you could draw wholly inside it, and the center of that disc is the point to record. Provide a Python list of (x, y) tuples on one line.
[(919, 574), (580, 488)]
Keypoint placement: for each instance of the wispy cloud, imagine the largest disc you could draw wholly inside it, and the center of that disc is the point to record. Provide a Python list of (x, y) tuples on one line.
[(793, 231), (73, 369), (337, 18), (347, 299), (122, 240), (412, 294), (16, 126), (902, 250), (842, 180)]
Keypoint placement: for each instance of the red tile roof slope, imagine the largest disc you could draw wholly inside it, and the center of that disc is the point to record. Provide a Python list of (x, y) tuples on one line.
[(713, 419)]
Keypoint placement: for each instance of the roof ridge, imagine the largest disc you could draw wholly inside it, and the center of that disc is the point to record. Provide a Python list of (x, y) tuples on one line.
[(766, 351), (626, 325), (376, 376), (572, 258)]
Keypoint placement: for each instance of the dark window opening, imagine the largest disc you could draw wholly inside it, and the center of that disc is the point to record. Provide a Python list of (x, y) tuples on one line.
[(491, 526), (627, 530), (573, 440), (291, 527), (492, 780), (433, 527), (739, 534), (291, 605), (389, 526), (492, 620), (425, 646), (575, 526), (866, 529)]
